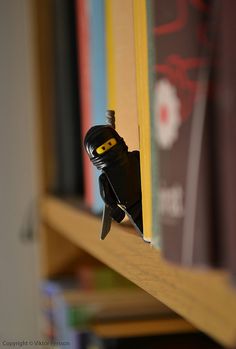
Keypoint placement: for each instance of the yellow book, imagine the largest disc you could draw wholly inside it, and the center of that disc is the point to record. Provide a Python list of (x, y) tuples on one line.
[(122, 94), (141, 49)]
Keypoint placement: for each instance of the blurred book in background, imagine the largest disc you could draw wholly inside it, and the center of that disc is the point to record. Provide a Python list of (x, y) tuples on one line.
[(95, 294), (68, 143), (58, 97), (96, 303), (93, 88)]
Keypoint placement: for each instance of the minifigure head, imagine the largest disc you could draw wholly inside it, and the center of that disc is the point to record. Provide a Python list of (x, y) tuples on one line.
[(104, 145)]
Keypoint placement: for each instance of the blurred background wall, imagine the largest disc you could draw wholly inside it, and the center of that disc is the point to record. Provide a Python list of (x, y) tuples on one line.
[(18, 258)]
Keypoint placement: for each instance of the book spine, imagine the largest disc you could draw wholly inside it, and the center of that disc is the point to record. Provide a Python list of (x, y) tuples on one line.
[(84, 74), (141, 48), (225, 135), (110, 63), (181, 145), (155, 223), (98, 81), (125, 72)]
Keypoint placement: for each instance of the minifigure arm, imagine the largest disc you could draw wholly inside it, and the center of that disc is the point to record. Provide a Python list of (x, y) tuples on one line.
[(109, 198), (136, 154)]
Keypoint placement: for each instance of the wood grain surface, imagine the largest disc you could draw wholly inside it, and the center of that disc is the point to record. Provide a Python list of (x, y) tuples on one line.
[(205, 298)]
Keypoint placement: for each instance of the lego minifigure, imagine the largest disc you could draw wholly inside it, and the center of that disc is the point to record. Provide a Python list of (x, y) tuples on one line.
[(119, 183)]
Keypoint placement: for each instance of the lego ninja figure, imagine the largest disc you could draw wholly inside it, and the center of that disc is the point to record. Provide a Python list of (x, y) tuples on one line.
[(119, 183)]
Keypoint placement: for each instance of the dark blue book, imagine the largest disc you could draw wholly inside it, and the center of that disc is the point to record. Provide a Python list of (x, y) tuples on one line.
[(67, 138)]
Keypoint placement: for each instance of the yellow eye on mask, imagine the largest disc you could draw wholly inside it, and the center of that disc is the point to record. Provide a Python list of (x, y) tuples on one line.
[(106, 146)]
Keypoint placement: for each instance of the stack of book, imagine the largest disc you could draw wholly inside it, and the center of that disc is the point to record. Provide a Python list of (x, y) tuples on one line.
[(192, 131), (166, 76), (73, 306)]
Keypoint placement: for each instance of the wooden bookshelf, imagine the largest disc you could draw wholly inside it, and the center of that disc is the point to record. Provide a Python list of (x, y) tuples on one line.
[(204, 298)]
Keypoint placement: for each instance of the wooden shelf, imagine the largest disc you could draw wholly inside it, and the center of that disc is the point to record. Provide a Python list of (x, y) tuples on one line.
[(204, 298), (129, 328)]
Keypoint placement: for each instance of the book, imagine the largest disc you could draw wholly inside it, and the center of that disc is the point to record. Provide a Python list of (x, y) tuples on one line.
[(75, 323), (225, 136), (43, 31), (68, 147), (92, 72), (100, 278), (143, 105), (83, 35), (181, 141), (58, 317), (111, 99), (98, 79), (114, 303), (70, 303), (121, 63)]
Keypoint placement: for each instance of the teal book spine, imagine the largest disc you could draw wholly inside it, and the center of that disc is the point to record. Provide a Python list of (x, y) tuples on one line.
[(98, 80)]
